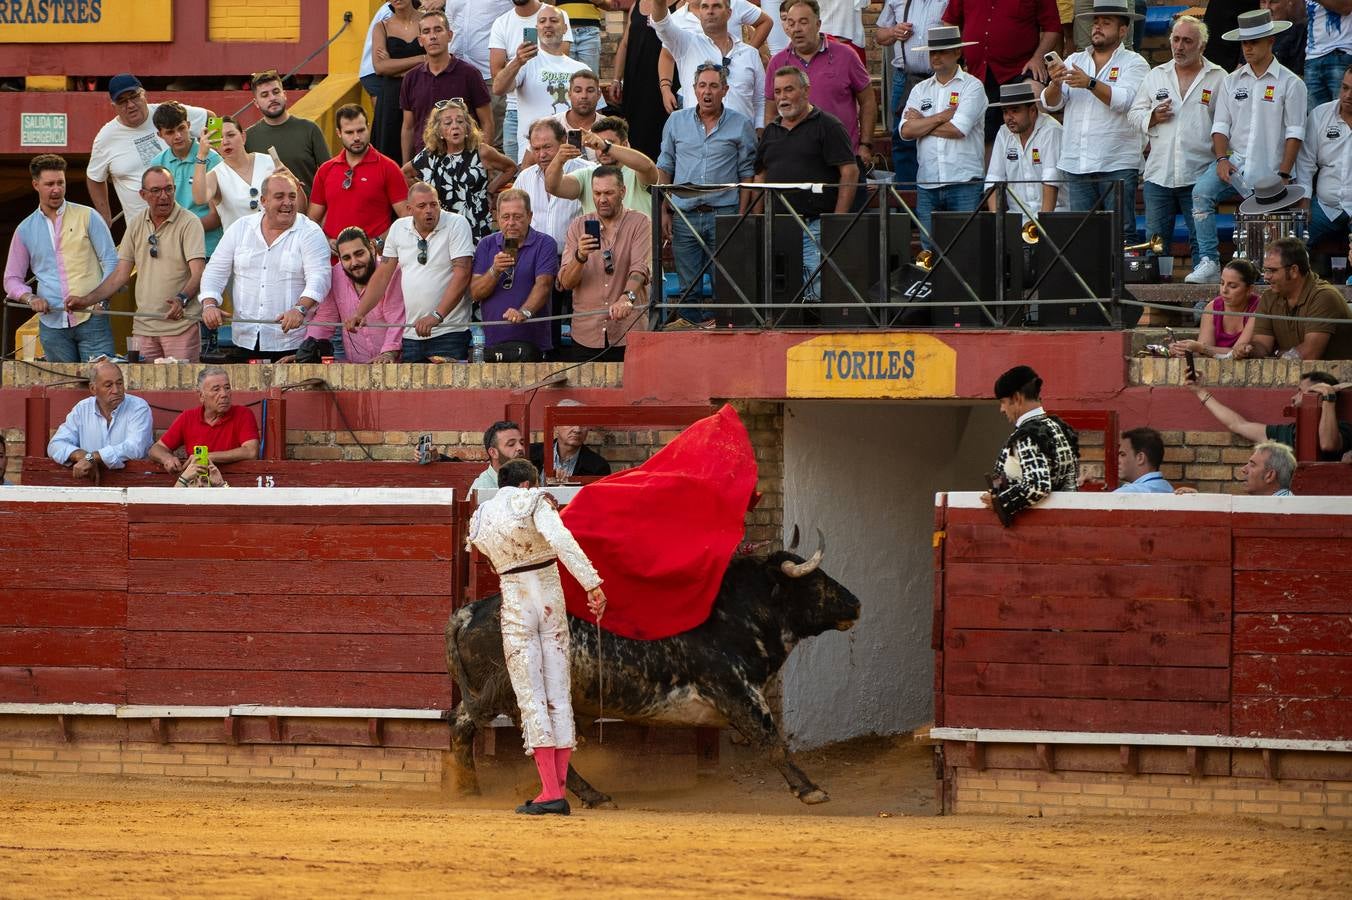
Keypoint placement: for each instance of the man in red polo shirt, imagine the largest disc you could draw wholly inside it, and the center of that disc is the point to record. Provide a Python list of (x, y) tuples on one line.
[(360, 186), (228, 432), (1011, 37)]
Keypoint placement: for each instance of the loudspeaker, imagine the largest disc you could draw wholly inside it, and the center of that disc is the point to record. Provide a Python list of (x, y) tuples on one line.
[(742, 255), (971, 258), (857, 256), (1091, 253)]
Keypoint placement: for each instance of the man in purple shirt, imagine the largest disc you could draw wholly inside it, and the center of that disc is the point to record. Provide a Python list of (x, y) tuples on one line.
[(839, 83), (440, 77), (514, 270)]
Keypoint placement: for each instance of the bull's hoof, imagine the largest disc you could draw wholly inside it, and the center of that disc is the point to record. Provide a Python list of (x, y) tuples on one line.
[(598, 802), (814, 796)]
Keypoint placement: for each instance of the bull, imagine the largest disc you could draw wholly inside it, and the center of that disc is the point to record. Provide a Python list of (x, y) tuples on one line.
[(713, 675)]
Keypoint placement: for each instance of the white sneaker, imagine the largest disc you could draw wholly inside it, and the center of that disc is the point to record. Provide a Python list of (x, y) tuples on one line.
[(1208, 271)]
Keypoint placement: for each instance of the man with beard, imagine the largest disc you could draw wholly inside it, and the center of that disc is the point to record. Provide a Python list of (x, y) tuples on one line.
[(503, 443), (228, 432), (166, 246), (106, 428), (1174, 109), (280, 264), (507, 35), (351, 277), (1025, 153), (125, 146), (360, 186), (1041, 456), (584, 92), (299, 142), (1096, 88)]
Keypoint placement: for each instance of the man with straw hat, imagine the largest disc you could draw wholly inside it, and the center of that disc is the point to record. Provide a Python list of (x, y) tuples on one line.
[(1259, 127), (1096, 87), (945, 116), (1026, 152)]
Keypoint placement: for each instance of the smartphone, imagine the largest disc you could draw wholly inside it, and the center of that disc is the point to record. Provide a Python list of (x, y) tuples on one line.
[(511, 245), (1192, 369), (200, 456), (213, 130), (592, 227), (530, 35), (575, 138), (1052, 58)]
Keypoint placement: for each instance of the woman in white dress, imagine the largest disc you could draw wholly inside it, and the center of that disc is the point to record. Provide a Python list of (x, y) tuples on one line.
[(233, 189)]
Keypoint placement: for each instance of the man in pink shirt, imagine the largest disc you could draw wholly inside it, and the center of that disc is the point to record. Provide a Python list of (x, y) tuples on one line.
[(838, 82), (373, 342)]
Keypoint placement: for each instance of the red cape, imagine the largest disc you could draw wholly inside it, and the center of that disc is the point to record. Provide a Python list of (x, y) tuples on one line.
[(662, 534)]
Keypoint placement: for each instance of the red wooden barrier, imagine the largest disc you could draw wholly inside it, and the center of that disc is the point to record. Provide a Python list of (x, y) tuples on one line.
[(40, 471)]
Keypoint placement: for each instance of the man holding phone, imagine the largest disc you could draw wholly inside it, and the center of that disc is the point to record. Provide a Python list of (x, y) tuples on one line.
[(509, 31), (228, 432), (513, 281), (538, 74), (609, 141)]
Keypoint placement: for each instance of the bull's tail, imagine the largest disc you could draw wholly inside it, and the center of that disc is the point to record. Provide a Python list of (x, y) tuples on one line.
[(455, 666)]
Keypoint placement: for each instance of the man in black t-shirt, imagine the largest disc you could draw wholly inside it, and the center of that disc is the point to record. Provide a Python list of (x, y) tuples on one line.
[(1335, 437), (805, 145)]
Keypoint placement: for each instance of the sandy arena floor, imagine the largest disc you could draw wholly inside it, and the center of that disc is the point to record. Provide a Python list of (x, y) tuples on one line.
[(739, 834)]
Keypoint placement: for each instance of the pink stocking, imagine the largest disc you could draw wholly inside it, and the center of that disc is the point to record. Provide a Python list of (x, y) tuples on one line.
[(549, 777), (561, 757)]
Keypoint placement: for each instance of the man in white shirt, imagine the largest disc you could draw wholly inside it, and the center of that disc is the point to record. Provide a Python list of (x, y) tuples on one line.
[(535, 79), (1258, 129), (1174, 109), (714, 43), (946, 117), (549, 213), (125, 147), (1096, 88), (743, 14), (279, 261), (1324, 167), (1328, 48), (432, 250), (903, 25), (106, 428), (1025, 153), (844, 21), (472, 24), (506, 35)]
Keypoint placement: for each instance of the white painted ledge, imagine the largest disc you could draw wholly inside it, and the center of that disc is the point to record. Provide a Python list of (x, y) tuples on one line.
[(1224, 503), (1013, 736)]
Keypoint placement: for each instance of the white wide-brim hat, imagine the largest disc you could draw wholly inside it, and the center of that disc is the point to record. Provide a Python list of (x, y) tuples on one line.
[(1256, 24)]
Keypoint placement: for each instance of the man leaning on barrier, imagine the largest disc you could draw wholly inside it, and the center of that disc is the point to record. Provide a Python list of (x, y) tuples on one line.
[(1041, 456), (1335, 437), (106, 428), (229, 432), (1267, 473), (1306, 302)]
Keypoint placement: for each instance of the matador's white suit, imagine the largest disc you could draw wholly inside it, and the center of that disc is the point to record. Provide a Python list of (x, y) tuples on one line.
[(522, 535)]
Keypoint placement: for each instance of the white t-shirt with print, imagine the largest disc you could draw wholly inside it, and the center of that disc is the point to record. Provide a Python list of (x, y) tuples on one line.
[(542, 91), (509, 30), (125, 153)]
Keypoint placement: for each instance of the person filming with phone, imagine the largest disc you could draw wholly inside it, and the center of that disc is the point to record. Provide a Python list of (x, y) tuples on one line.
[(513, 281), (229, 432)]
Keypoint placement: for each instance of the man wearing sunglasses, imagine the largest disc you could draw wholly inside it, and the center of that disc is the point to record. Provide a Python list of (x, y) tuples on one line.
[(165, 245), (360, 186), (715, 43), (432, 250)]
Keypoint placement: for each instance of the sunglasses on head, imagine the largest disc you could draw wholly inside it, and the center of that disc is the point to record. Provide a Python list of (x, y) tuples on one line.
[(454, 101), (712, 67), (422, 251)]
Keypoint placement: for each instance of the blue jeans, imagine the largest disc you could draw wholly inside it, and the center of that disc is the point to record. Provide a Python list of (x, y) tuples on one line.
[(691, 257), (451, 345), (904, 162), (811, 258), (1206, 193), (509, 147), (1161, 205), (948, 198), (1321, 227), (586, 47), (1324, 74), (92, 337), (1085, 190)]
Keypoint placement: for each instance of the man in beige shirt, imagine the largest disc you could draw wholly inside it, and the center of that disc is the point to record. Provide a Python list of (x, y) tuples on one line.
[(608, 276), (166, 247)]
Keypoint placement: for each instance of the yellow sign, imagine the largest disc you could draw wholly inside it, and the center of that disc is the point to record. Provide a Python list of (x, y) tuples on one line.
[(872, 365), (86, 21)]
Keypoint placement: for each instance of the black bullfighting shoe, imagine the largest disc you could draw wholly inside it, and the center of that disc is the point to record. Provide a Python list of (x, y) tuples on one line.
[(557, 807)]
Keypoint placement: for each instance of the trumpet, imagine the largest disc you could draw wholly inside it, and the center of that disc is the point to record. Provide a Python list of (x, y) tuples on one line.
[(925, 260), (1155, 245), (1029, 233)]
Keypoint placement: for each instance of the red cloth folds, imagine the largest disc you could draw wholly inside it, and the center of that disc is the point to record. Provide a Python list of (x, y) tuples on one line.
[(661, 535)]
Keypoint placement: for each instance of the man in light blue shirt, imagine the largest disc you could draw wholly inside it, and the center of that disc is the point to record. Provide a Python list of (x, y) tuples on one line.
[(1139, 455), (705, 144), (107, 428)]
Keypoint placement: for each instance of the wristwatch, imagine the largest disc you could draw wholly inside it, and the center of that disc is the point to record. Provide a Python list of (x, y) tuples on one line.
[(1093, 83), (436, 315), (605, 148), (300, 308), (1329, 398), (633, 298), (182, 298), (525, 313)]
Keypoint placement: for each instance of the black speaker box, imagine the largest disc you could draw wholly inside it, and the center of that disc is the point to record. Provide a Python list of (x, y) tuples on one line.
[(1091, 251), (857, 256), (742, 256), (971, 258)]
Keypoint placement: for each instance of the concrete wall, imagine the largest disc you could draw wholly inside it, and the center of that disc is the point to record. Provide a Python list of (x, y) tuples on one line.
[(867, 475)]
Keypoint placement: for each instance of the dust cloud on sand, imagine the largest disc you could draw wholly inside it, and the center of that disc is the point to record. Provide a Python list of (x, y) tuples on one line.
[(736, 833)]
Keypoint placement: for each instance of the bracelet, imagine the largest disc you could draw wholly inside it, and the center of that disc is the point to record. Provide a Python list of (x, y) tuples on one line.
[(1284, 174), (579, 258), (183, 481), (1205, 399), (1225, 158), (211, 301), (665, 82), (436, 315), (202, 162)]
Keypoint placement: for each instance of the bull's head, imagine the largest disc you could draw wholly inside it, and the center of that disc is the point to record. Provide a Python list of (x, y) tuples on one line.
[(817, 602)]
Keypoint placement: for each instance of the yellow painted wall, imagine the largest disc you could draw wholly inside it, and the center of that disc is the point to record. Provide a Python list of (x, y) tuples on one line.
[(254, 20)]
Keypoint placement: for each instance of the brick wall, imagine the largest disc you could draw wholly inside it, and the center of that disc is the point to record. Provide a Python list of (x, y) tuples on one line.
[(1297, 803), (366, 766), (254, 20)]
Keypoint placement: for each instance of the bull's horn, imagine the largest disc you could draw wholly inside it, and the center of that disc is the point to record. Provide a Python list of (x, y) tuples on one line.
[(793, 541), (798, 570)]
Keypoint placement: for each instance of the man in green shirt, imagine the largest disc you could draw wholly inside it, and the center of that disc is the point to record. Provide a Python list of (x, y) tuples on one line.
[(1335, 438), (299, 142)]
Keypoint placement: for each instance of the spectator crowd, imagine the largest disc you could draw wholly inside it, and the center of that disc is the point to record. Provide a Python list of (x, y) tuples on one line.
[(503, 185)]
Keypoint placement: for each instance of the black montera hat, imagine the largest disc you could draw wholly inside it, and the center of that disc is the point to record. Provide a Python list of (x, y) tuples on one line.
[(1016, 381)]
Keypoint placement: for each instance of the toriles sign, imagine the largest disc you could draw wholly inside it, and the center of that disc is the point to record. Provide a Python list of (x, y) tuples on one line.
[(85, 21), (872, 365)]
